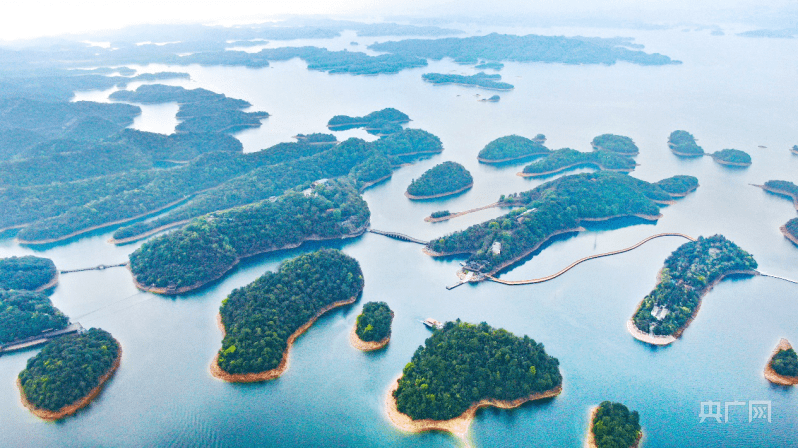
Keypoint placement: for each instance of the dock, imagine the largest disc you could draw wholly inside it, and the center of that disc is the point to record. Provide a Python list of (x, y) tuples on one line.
[(399, 236), (99, 267), (40, 339)]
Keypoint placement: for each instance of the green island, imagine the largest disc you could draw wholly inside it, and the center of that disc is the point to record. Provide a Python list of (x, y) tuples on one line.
[(790, 230), (783, 365), (794, 149), (27, 273), (373, 327), (732, 157), (492, 99), (689, 273), (679, 185), (209, 246), (613, 426), (69, 373), (555, 207), (25, 313), (481, 79), (682, 143), (381, 122), (489, 65), (529, 48), (440, 213), (566, 158), (317, 138), (615, 143), (200, 110), (464, 366), (263, 319), (444, 179), (512, 148), (785, 189)]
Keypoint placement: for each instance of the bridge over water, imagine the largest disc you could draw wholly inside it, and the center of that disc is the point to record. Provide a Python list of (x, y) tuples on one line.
[(399, 236)]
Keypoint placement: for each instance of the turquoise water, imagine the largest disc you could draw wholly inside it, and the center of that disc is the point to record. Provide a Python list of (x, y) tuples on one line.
[(730, 92)]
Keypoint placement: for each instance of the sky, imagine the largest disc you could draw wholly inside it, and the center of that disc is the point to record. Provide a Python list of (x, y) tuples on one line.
[(21, 19)]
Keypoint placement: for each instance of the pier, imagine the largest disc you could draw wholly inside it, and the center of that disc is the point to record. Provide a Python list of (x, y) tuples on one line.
[(582, 260), (40, 339), (399, 236), (100, 267)]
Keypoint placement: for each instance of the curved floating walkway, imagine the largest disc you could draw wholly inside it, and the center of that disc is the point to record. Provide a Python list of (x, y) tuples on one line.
[(581, 260), (399, 236)]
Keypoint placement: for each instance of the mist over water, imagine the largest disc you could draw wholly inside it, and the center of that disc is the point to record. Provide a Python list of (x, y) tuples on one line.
[(730, 92)]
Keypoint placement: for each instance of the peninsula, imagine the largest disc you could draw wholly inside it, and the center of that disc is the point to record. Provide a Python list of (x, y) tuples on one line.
[(69, 373), (567, 158), (26, 313), (682, 143), (371, 122), (481, 79), (372, 330), (27, 273), (512, 148), (613, 426), (785, 189), (615, 143), (210, 246), (463, 367), (445, 179), (782, 368), (690, 272), (262, 320), (732, 157)]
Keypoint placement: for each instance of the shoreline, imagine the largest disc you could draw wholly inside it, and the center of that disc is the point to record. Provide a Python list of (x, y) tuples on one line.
[(576, 165), (184, 289), (685, 154), (511, 159), (366, 346), (334, 127), (771, 374), (727, 163), (52, 283), (643, 337), (469, 85), (537, 246), (366, 185), (440, 195), (141, 236), (788, 235), (682, 195), (457, 426), (281, 368), (780, 193), (601, 148), (71, 409), (455, 215)]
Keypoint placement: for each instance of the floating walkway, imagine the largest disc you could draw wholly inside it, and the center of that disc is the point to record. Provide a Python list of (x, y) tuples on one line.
[(399, 236), (581, 260), (100, 267), (40, 339), (780, 278)]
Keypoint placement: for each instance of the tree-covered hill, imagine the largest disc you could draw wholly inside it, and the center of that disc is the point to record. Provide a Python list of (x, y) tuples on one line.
[(481, 79), (374, 322), (259, 318), (510, 148), (567, 158), (683, 143), (25, 313), (732, 157), (376, 122), (464, 363), (613, 426), (443, 179), (26, 273), (615, 143), (785, 363)]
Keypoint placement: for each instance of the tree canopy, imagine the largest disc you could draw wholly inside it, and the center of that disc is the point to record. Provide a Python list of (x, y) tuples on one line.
[(374, 322), (615, 143), (567, 158), (27, 272), (785, 362), (614, 426), (683, 143), (734, 156), (480, 79), (512, 147), (24, 314), (444, 178)]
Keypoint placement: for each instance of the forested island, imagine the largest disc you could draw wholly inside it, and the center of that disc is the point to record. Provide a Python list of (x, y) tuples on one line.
[(794, 149), (25, 313), (492, 99), (210, 246), (481, 79), (786, 189), (530, 48), (512, 148), (444, 179), (732, 157), (790, 230), (27, 273), (69, 373), (555, 207), (372, 329), (566, 158), (613, 426), (689, 273), (679, 185), (682, 143), (489, 65), (261, 321), (782, 368), (615, 143), (200, 110), (382, 122), (463, 367)]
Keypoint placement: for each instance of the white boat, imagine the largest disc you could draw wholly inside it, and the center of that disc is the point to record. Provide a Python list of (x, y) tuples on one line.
[(432, 323)]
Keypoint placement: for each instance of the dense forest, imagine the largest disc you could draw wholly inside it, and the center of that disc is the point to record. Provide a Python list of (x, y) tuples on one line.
[(259, 318), (687, 273), (68, 368), (442, 179), (375, 121), (552, 207), (615, 143), (792, 227), (783, 186), (678, 185), (511, 147), (464, 363), (481, 79), (489, 65), (732, 156), (785, 363), (683, 143), (317, 138), (25, 313), (614, 426), (530, 48), (567, 158), (27, 273), (209, 246), (374, 322)]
